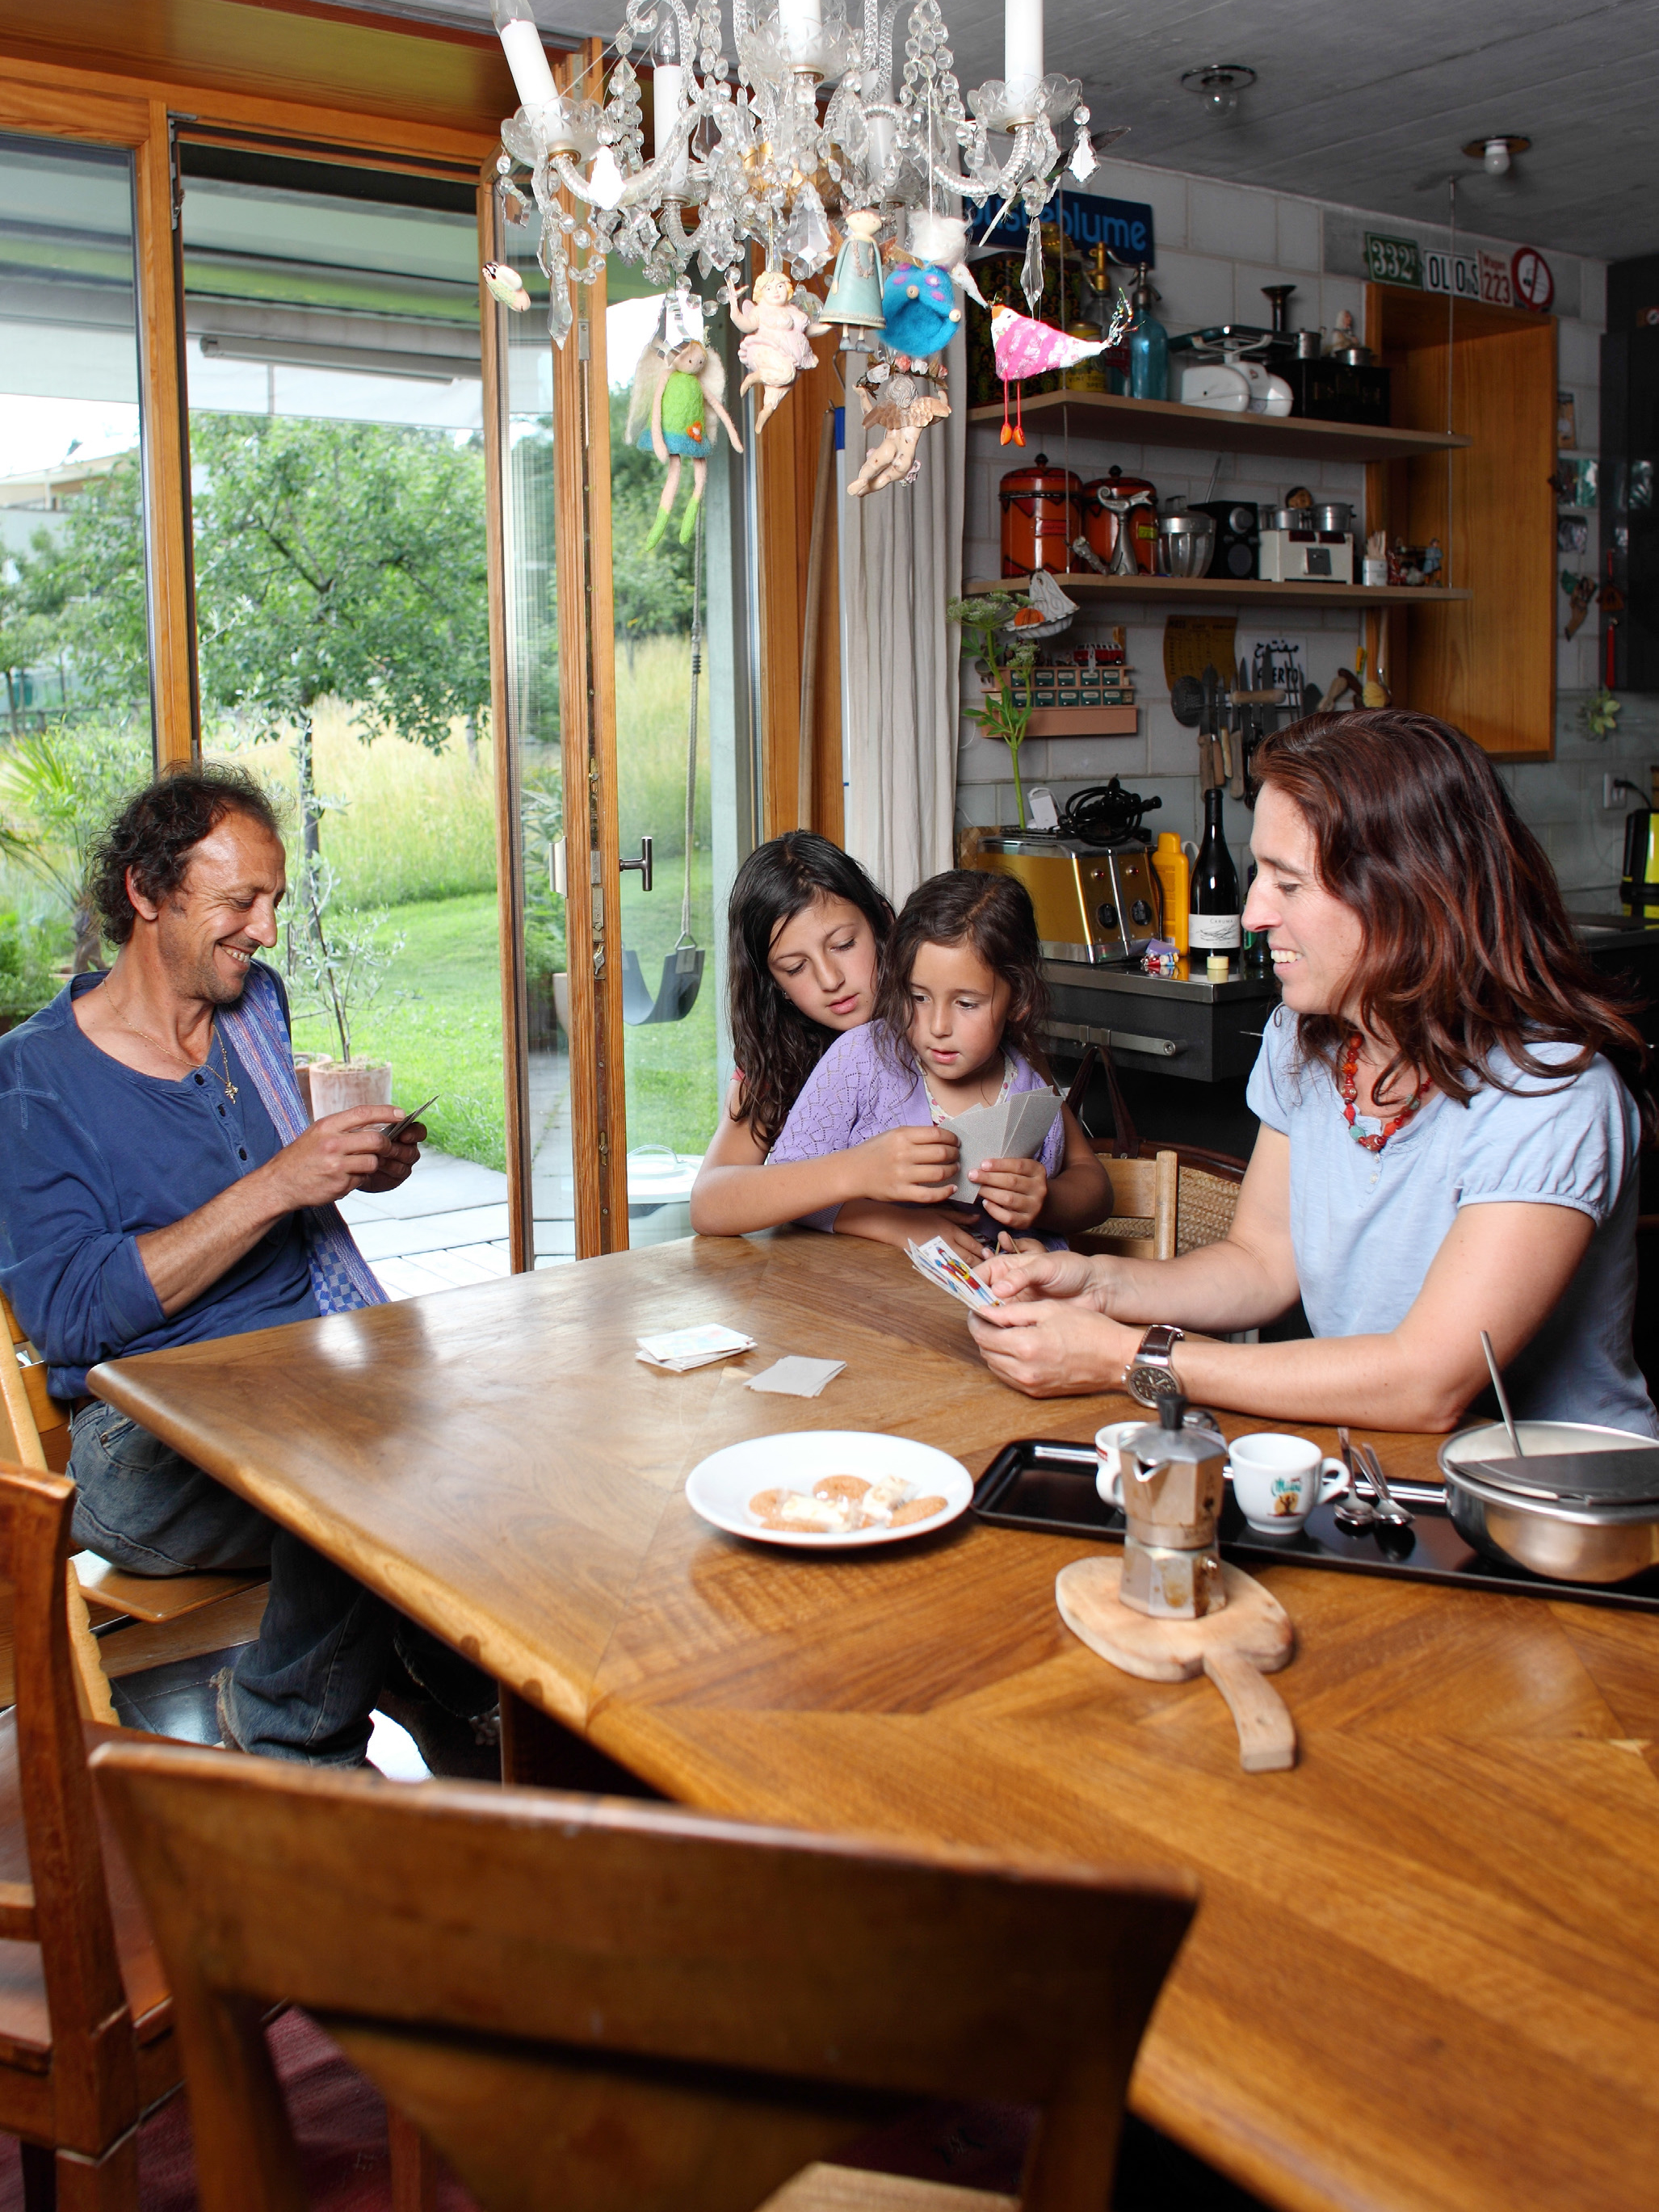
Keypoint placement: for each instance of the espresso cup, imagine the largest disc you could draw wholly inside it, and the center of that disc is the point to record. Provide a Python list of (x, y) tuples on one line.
[(1279, 1480)]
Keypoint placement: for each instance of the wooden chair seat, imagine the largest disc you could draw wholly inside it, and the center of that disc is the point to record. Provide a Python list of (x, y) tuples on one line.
[(824, 2188)]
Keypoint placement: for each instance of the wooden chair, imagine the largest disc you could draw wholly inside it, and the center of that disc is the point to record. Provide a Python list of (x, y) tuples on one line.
[(169, 1616), (86, 2023), (1165, 1204), (594, 2004)]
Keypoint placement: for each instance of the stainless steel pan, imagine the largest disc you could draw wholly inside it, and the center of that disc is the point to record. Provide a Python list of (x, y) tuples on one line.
[(1579, 1540)]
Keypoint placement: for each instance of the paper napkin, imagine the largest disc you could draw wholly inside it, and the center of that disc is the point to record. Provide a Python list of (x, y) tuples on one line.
[(796, 1378), (680, 1349)]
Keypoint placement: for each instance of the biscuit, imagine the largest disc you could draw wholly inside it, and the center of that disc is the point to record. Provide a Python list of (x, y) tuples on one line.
[(915, 1510), (852, 1487)]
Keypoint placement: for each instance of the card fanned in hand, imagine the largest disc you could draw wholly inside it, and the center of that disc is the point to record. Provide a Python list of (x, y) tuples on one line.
[(679, 1350), (936, 1261), (1015, 1128)]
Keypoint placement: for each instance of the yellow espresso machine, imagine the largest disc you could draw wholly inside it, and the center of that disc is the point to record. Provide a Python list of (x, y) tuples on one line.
[(1094, 902)]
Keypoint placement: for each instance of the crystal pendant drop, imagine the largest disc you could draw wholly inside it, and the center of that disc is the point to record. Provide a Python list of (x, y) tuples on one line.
[(1030, 276)]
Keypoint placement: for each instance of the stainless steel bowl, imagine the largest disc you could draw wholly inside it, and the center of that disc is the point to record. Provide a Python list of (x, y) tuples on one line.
[(1586, 1543), (1186, 542)]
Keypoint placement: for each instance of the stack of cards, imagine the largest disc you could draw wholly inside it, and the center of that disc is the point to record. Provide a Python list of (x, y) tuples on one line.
[(941, 1265), (796, 1378), (681, 1349), (1015, 1128)]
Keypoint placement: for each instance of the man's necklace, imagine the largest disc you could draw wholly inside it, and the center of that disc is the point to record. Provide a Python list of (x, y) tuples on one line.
[(179, 1052)]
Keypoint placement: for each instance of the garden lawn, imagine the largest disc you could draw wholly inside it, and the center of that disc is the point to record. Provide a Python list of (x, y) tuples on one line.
[(437, 1020), (672, 1094)]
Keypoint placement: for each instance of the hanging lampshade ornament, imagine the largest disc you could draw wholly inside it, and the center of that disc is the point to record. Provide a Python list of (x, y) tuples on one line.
[(809, 122)]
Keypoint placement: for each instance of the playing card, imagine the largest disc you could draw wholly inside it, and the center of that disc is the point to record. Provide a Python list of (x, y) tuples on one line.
[(1014, 1129), (936, 1261), (795, 1377), (680, 1349)]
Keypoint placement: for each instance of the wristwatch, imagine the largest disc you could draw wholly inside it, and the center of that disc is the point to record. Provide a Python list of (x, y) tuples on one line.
[(1149, 1376)]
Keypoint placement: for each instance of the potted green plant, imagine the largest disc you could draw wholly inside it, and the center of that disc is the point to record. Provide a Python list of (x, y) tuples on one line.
[(335, 965), (29, 980), (1003, 665)]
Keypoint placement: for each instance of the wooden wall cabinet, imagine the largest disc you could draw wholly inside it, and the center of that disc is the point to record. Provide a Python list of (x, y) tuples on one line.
[(1487, 665)]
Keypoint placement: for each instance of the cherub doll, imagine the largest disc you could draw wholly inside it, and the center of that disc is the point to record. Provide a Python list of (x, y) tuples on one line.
[(672, 387), (774, 350), (900, 393)]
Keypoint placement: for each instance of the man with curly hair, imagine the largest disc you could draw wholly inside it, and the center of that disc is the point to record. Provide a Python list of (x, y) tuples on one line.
[(165, 1186)]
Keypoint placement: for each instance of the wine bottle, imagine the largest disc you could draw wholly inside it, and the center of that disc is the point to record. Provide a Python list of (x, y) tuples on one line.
[(1214, 925), (1258, 955)]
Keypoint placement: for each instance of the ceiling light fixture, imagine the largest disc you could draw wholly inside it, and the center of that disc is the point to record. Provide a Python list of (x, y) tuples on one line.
[(1496, 152), (809, 119), (1219, 84)]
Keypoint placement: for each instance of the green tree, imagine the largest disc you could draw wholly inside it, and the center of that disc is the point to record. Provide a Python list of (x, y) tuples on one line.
[(78, 602), (343, 561)]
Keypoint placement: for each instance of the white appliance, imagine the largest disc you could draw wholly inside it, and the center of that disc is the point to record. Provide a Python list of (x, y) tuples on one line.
[(1215, 384), (1305, 556)]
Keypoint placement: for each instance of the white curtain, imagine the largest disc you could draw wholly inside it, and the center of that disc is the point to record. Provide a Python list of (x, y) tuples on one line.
[(900, 560)]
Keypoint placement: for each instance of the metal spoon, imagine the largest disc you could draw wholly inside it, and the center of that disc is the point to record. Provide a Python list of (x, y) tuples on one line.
[(1353, 1514), (1502, 1396), (1389, 1511)]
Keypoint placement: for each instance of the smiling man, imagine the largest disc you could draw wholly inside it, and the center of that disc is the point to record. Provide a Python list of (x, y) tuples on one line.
[(164, 1185)]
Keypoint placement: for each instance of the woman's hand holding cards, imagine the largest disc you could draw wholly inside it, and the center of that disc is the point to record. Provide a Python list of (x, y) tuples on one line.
[(1014, 1191)]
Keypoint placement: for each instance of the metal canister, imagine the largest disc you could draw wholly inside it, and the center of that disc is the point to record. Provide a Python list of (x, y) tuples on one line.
[(1089, 375), (1041, 513), (1117, 508)]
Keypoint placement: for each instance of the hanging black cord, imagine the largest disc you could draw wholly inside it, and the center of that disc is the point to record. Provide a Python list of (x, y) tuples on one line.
[(1104, 814)]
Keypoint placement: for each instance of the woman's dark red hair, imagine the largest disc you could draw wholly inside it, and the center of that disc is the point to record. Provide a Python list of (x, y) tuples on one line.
[(1467, 949)]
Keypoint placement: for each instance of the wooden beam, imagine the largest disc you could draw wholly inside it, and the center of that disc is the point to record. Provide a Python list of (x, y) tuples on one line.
[(174, 696)]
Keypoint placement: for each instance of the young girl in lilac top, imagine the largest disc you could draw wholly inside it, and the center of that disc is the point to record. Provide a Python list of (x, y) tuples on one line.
[(958, 1001)]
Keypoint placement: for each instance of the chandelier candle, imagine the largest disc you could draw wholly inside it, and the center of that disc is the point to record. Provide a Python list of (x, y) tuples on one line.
[(1214, 925), (521, 41), (1021, 54)]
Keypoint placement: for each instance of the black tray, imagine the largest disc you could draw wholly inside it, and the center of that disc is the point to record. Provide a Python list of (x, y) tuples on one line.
[(1031, 1484)]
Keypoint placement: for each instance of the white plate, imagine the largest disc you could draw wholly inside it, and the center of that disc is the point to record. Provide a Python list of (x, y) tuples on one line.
[(720, 1487)]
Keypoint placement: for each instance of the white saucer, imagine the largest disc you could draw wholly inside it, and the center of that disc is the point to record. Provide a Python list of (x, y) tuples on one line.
[(720, 1487)]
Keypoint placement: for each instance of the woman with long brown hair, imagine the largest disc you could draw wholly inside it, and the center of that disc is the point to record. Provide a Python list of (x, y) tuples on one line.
[(1450, 1100)]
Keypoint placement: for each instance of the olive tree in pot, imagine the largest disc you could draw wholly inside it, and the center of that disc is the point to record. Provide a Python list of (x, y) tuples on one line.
[(335, 965)]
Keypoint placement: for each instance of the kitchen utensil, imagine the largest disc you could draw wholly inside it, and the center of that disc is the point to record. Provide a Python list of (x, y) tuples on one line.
[(1119, 522), (1638, 885), (1604, 1533), (1092, 901), (1354, 1515), (1502, 1395), (1215, 384), (1237, 530), (718, 1488), (1168, 1481), (1389, 1512), (1249, 1638), (1041, 513), (1335, 514), (1353, 356), (1186, 540), (1187, 701)]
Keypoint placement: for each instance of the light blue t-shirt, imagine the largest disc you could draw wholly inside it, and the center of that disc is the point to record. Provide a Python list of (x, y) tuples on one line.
[(1366, 1225)]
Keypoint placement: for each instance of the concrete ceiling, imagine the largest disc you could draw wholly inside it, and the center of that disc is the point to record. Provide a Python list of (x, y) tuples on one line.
[(1369, 109)]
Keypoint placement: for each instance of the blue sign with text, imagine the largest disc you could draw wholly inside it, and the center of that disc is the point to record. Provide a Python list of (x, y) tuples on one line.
[(1123, 227)]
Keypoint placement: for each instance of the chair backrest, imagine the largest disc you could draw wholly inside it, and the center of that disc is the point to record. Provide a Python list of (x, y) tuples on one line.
[(1207, 1199), (65, 1907), (590, 2004), (39, 1423), (1142, 1225)]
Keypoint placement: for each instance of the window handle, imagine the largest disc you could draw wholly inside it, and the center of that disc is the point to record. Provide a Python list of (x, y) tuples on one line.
[(643, 864)]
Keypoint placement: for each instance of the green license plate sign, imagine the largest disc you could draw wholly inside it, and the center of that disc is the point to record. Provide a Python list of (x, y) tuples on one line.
[(1393, 260)]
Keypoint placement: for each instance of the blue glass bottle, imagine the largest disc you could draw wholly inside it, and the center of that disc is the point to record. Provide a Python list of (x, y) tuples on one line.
[(1149, 345)]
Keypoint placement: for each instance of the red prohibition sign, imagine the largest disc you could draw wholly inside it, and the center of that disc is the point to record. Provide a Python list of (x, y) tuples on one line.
[(1530, 279)]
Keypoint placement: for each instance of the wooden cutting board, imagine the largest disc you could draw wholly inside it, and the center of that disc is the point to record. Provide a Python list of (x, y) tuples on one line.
[(1250, 1637)]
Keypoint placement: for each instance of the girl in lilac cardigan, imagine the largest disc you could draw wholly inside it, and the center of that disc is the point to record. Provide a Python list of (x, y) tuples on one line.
[(958, 1001)]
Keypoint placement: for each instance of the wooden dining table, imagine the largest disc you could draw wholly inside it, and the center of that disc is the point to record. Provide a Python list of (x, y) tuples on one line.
[(1424, 1970)]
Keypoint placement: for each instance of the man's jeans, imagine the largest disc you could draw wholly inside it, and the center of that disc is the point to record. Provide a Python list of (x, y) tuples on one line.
[(304, 1690)]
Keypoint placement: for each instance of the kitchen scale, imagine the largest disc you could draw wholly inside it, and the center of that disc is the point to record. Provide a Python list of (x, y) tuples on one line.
[(1050, 1487)]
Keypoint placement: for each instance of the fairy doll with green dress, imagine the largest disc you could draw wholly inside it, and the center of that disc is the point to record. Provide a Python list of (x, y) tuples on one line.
[(676, 390)]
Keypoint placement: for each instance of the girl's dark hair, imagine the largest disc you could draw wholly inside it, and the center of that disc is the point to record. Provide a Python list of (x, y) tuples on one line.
[(1467, 949), (158, 829), (775, 1045), (994, 914)]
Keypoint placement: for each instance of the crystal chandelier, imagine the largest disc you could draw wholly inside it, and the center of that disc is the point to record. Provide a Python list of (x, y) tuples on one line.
[(809, 119)]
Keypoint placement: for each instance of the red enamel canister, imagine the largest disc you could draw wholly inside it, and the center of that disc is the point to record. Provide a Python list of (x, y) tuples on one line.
[(1041, 513), (1114, 502)]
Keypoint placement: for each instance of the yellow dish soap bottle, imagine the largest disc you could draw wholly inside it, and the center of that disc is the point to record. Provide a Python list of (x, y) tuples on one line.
[(1175, 877)]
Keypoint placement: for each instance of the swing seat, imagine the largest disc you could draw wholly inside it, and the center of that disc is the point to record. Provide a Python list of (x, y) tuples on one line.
[(682, 980)]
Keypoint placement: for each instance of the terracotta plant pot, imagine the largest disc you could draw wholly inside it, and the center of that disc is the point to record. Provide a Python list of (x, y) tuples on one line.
[(336, 1084)]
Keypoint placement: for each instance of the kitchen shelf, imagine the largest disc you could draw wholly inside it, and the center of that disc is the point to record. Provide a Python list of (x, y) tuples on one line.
[(1164, 422), (1251, 588)]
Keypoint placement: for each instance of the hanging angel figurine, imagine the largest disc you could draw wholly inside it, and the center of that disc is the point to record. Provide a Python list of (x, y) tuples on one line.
[(774, 349), (674, 390), (900, 394)]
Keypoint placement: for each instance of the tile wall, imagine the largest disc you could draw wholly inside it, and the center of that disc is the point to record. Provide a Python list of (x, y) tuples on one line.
[(1218, 245)]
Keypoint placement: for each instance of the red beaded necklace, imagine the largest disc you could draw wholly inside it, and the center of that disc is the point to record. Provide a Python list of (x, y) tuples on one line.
[(1347, 1082)]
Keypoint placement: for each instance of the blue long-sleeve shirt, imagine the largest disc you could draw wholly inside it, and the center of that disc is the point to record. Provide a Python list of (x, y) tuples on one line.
[(93, 1155)]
